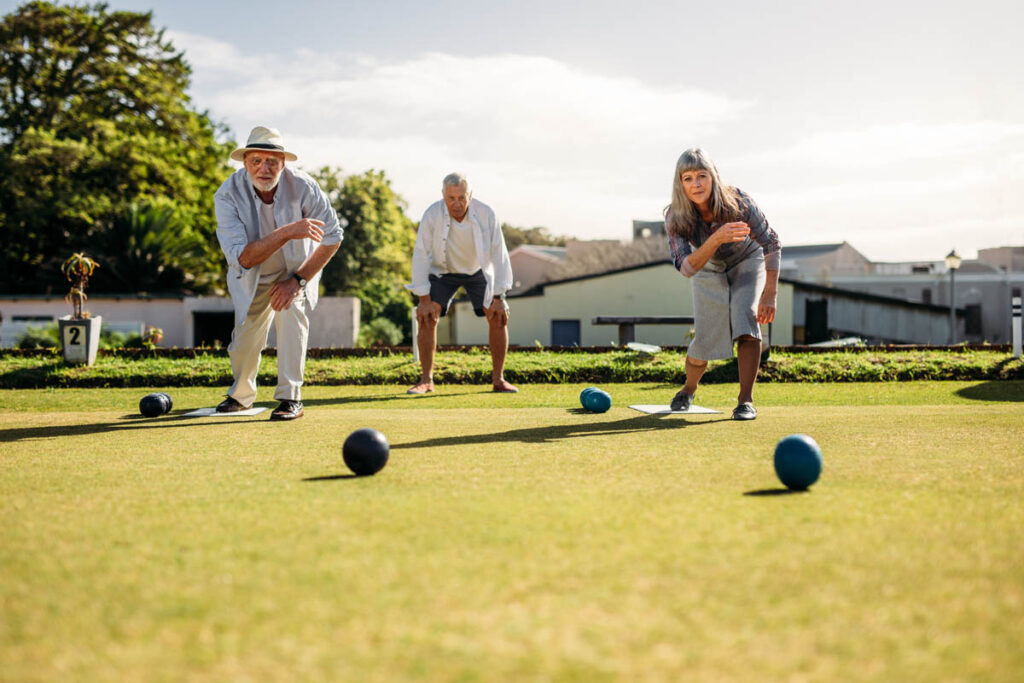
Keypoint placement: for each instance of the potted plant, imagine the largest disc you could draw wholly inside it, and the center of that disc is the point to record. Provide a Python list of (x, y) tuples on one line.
[(79, 332), (154, 337)]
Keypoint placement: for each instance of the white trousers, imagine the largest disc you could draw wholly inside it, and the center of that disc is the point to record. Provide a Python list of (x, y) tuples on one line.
[(249, 340)]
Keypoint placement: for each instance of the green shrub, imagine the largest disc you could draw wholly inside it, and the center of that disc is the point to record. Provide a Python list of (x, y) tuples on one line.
[(44, 337), (379, 332)]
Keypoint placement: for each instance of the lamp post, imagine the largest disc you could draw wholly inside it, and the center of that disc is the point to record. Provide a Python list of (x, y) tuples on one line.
[(953, 261)]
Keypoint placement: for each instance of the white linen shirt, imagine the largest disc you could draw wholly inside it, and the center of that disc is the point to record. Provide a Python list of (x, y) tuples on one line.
[(429, 256), (238, 223)]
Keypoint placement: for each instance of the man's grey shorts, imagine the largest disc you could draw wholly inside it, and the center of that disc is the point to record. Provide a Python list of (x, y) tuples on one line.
[(443, 288)]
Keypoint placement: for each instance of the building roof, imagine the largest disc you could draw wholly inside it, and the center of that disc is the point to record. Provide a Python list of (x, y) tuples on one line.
[(543, 251)]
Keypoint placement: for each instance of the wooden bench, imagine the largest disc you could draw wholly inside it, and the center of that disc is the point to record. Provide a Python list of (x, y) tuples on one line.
[(627, 323), (627, 329)]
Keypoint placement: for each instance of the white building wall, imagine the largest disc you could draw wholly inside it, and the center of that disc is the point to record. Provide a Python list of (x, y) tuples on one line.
[(335, 322), (652, 290)]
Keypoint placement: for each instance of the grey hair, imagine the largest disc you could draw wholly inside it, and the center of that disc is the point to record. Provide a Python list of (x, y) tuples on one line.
[(455, 180), (682, 214)]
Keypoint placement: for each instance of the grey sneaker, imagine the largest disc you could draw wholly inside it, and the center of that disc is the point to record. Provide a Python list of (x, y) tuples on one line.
[(681, 401), (744, 411)]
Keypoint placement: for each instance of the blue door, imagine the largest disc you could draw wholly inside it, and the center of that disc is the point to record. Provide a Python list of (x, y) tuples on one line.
[(565, 332)]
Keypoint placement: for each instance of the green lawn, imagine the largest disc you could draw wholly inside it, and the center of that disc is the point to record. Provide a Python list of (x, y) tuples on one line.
[(511, 537)]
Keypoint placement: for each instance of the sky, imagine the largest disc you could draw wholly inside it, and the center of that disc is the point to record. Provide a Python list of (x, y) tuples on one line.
[(896, 126)]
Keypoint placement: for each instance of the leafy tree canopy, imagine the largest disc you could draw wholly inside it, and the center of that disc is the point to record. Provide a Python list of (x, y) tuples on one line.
[(375, 259), (93, 117), (515, 237)]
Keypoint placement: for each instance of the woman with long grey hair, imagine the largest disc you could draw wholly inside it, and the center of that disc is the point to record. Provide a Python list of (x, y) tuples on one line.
[(720, 239)]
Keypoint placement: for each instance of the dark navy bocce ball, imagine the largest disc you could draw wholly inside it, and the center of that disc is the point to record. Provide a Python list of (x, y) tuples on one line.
[(153, 405), (366, 451), (798, 461)]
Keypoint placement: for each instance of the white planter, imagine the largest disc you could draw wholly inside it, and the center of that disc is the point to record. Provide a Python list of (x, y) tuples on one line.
[(80, 339)]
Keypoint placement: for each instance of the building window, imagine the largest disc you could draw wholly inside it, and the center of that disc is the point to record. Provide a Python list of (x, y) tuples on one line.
[(565, 332), (212, 328), (926, 295), (972, 319), (1015, 292)]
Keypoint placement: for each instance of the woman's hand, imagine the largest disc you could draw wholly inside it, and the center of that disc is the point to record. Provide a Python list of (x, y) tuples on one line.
[(731, 232), (766, 307)]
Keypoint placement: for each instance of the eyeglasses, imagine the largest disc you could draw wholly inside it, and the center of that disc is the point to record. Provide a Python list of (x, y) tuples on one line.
[(271, 163)]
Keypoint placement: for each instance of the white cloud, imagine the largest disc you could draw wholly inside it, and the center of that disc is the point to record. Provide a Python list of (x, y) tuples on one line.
[(584, 154), (545, 143)]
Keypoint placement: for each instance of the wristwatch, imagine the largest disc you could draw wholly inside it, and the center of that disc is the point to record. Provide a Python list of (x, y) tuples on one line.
[(302, 280)]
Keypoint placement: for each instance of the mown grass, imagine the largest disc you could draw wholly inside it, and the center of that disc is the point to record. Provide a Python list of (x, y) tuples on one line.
[(473, 366), (512, 537)]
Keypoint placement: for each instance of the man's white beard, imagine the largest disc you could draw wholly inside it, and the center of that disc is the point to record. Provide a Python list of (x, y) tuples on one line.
[(263, 186)]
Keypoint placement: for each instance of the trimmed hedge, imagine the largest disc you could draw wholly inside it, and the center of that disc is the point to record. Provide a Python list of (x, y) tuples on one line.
[(472, 365)]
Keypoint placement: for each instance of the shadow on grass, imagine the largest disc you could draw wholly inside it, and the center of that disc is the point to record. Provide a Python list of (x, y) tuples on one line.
[(399, 395), (334, 477), (994, 391), (552, 433), (128, 424), (775, 492)]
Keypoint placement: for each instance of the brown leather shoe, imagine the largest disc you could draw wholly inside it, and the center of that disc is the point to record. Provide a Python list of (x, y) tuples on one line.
[(230, 405), (288, 410)]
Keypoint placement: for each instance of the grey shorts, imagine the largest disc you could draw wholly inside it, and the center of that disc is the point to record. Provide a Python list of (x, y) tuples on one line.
[(443, 288), (725, 300)]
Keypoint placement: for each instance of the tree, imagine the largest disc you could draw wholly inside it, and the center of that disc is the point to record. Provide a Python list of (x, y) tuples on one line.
[(515, 237), (94, 115), (375, 259), (149, 248)]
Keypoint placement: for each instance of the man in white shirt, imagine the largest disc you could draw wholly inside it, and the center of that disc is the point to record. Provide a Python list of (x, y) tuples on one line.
[(459, 244), (277, 230)]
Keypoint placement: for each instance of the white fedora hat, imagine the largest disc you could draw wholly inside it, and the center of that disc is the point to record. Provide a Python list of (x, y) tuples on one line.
[(263, 139)]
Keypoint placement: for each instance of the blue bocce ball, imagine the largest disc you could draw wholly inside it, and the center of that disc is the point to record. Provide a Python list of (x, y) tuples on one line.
[(798, 461)]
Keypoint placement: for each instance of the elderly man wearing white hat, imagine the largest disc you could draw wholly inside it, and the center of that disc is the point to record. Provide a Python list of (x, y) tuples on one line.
[(277, 230)]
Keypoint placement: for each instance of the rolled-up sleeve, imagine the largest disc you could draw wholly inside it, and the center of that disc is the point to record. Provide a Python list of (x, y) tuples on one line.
[(500, 259), (421, 255), (318, 206), (763, 234), (230, 229), (680, 248)]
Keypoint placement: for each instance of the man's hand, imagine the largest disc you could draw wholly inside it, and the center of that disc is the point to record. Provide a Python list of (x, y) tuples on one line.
[(498, 312), (283, 293), (427, 312), (766, 307), (304, 228)]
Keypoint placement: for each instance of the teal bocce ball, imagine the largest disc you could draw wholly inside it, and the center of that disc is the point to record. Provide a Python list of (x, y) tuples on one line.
[(798, 461), (586, 392), (598, 401)]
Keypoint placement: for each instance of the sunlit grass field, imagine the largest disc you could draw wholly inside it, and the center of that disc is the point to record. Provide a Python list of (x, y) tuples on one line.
[(513, 537)]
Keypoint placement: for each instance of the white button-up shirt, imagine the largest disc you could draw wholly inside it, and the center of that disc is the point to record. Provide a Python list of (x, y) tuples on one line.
[(429, 256), (238, 223)]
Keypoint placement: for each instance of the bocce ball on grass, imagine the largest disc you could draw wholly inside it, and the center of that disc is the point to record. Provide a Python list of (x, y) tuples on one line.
[(798, 461), (597, 401), (154, 405), (366, 451), (586, 392)]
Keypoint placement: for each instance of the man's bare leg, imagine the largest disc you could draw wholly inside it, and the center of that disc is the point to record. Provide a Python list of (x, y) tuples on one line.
[(497, 337), (427, 343)]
